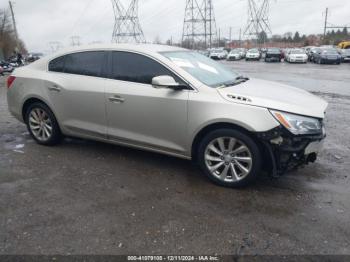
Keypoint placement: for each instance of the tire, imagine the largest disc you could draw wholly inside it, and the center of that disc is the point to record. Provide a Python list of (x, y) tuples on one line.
[(233, 168), (42, 124)]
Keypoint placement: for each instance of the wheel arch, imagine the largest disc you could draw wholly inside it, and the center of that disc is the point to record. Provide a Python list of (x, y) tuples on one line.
[(214, 126), (30, 100)]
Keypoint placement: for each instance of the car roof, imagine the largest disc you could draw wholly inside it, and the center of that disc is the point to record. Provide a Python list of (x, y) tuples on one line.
[(147, 49), (143, 48)]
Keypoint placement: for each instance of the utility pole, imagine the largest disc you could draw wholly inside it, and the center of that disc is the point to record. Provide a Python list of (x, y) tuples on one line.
[(325, 25), (230, 34), (240, 37), (210, 24), (14, 22), (219, 37)]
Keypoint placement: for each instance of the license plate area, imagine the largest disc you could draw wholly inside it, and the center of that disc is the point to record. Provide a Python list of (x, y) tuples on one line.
[(314, 147)]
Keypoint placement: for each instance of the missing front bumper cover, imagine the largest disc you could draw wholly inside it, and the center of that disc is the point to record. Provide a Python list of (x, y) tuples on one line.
[(287, 151)]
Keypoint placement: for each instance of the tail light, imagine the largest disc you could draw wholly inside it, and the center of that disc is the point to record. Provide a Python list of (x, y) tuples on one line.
[(10, 80)]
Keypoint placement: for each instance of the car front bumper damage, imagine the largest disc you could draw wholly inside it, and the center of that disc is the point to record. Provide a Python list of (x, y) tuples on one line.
[(286, 151)]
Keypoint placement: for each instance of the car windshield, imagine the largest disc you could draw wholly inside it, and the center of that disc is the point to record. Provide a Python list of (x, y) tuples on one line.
[(297, 52), (204, 69), (217, 51), (253, 51), (235, 52), (330, 51), (273, 50)]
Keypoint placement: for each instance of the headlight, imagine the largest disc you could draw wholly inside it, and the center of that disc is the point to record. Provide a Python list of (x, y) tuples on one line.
[(298, 125)]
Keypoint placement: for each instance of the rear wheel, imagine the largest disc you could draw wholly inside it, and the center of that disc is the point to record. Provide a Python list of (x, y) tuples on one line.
[(42, 124), (229, 158)]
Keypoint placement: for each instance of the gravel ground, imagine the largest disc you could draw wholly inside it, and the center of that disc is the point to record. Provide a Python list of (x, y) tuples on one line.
[(84, 197)]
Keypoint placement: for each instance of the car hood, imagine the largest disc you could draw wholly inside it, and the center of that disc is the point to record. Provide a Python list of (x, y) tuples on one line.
[(294, 55), (276, 96)]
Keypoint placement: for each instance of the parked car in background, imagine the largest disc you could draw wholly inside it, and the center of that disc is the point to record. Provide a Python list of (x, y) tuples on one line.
[(253, 54), (285, 53), (1, 71), (297, 56), (172, 101), (218, 54), (312, 52), (345, 55), (6, 66), (327, 56), (273, 55), (235, 54), (308, 48), (242, 52), (32, 57)]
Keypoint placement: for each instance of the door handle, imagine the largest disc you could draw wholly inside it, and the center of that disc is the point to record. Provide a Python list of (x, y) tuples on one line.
[(116, 99), (55, 88)]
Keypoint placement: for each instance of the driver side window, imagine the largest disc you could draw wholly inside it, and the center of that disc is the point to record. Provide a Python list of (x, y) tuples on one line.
[(131, 67)]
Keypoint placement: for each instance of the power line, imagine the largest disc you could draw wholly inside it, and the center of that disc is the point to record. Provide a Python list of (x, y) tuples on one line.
[(127, 27)]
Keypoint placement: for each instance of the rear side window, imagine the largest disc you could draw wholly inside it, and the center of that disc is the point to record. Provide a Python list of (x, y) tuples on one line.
[(137, 68), (85, 63), (57, 65)]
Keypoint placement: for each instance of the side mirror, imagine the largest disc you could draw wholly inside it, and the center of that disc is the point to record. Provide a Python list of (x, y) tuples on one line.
[(166, 82)]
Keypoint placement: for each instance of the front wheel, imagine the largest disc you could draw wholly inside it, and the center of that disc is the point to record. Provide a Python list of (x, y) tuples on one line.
[(229, 158)]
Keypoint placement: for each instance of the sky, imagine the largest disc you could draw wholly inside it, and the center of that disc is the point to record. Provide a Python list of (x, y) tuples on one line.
[(42, 21)]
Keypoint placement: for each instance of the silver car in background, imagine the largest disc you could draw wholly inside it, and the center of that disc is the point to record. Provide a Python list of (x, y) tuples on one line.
[(253, 54), (218, 54), (172, 101)]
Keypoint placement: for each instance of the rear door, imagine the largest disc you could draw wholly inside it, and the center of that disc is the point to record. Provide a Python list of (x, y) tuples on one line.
[(76, 88), (142, 115)]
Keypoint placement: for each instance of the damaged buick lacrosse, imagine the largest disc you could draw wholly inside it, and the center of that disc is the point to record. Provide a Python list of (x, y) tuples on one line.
[(172, 101)]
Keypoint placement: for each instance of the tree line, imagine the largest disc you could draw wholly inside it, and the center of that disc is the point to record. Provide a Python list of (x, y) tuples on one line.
[(332, 37), (8, 41)]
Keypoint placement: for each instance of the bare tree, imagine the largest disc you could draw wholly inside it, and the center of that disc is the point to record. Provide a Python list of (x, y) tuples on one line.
[(8, 43)]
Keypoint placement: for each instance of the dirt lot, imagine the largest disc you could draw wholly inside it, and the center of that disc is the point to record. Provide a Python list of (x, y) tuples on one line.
[(83, 197)]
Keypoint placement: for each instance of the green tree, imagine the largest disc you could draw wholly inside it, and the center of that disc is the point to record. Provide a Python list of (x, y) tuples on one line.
[(262, 37), (297, 38)]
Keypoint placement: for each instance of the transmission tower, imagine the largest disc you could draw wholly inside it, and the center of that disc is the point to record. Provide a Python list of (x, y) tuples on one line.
[(127, 28), (258, 18), (55, 46), (75, 40), (199, 29)]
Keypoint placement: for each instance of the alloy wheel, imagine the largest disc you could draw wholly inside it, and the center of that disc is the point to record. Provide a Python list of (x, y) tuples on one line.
[(228, 159), (40, 124)]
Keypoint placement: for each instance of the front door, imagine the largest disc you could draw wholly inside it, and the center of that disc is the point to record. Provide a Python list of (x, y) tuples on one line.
[(142, 115)]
